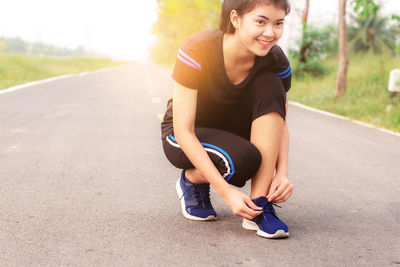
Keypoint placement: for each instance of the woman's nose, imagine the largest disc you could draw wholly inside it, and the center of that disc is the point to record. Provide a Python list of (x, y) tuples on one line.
[(268, 31)]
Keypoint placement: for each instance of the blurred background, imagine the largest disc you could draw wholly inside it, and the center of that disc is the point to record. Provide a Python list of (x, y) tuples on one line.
[(127, 29), (44, 38)]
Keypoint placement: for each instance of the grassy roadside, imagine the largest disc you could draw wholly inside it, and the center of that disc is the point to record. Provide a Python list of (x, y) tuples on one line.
[(366, 98), (19, 69)]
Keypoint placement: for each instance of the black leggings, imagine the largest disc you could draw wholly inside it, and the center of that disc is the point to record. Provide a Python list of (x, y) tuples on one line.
[(236, 158)]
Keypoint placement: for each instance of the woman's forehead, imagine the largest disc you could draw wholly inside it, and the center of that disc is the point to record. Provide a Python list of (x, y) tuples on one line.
[(268, 10)]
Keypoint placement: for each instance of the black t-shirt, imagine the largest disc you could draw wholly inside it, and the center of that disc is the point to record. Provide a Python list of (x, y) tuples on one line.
[(200, 66)]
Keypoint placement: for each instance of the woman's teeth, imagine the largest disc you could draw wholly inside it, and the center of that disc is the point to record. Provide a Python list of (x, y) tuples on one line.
[(264, 42)]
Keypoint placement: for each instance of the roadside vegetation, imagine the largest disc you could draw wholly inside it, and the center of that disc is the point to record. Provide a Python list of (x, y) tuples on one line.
[(366, 99), (369, 50), (18, 69)]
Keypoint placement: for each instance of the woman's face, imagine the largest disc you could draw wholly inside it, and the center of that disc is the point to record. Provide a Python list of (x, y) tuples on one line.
[(261, 28)]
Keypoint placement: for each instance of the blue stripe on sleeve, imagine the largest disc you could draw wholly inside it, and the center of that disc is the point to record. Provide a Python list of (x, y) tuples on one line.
[(289, 69), (187, 62), (187, 57), (287, 75)]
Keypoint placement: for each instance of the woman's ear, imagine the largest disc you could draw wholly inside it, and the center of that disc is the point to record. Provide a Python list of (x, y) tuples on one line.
[(235, 19)]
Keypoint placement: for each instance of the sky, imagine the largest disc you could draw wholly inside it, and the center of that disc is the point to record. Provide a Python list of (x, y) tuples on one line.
[(121, 29)]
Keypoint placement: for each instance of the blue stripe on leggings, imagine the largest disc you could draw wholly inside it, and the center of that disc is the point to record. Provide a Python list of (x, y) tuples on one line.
[(219, 150)]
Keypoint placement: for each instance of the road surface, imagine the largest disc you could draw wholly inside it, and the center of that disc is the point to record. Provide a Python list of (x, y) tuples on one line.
[(84, 182)]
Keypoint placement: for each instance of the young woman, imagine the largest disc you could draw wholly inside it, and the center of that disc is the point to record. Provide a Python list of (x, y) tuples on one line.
[(226, 123)]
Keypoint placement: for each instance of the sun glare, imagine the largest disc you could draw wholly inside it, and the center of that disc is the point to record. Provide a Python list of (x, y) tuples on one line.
[(120, 29)]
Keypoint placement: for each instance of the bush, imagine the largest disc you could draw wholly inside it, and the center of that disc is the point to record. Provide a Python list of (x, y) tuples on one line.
[(313, 66), (315, 45)]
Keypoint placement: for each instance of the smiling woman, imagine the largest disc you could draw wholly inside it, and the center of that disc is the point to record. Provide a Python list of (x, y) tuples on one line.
[(226, 122)]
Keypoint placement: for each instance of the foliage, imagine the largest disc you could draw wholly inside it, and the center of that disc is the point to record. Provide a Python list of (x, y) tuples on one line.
[(312, 66), (365, 8), (396, 18), (178, 20), (318, 43), (372, 33), (18, 46), (366, 99)]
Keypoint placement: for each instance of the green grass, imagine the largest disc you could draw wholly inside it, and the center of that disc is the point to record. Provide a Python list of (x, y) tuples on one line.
[(366, 98), (18, 69)]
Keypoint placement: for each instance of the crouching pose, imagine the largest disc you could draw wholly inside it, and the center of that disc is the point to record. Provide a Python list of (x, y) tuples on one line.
[(226, 122)]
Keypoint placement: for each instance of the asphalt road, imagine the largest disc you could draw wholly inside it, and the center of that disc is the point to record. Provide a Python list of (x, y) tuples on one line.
[(84, 182)]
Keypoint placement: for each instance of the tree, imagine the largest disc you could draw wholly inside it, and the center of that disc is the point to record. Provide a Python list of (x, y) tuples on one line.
[(305, 44), (178, 20), (363, 8), (341, 78), (372, 33), (323, 43)]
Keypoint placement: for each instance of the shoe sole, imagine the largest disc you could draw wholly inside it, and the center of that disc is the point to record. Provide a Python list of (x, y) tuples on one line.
[(249, 225), (183, 206)]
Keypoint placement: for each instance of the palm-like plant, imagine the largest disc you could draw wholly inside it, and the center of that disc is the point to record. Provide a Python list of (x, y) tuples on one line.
[(372, 34)]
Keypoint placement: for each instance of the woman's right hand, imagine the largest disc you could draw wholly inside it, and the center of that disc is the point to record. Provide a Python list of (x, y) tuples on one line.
[(240, 204)]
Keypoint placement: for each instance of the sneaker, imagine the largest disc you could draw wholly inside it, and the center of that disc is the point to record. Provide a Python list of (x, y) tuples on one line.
[(195, 200), (267, 224)]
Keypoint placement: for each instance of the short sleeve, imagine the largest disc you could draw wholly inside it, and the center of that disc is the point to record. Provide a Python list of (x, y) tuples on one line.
[(282, 67), (187, 69)]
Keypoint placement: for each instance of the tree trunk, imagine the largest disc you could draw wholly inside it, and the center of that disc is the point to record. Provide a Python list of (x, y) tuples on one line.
[(304, 47), (341, 78), (305, 14)]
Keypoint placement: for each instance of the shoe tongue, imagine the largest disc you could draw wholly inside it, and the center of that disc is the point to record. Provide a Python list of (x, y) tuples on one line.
[(260, 201)]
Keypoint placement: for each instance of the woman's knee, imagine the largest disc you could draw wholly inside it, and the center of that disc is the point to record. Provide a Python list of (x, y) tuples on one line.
[(247, 163)]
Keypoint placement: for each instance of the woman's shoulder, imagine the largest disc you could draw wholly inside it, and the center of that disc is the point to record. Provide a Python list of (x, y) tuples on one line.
[(277, 62), (203, 39), (275, 57), (206, 35), (193, 58)]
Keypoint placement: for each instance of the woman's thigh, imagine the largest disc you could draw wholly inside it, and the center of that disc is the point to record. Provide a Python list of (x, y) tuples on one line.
[(235, 157)]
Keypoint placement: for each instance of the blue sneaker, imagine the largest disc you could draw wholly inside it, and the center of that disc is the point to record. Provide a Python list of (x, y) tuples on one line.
[(267, 224), (195, 200)]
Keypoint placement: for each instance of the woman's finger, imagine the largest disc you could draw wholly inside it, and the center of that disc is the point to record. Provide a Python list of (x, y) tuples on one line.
[(277, 193), (272, 189), (285, 195), (245, 215), (288, 195), (251, 204), (250, 209)]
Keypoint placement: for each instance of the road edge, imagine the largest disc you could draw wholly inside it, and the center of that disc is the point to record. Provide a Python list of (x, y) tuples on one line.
[(326, 113), (297, 104), (55, 78)]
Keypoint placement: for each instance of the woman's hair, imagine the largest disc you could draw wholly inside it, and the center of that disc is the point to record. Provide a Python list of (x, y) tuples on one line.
[(242, 7)]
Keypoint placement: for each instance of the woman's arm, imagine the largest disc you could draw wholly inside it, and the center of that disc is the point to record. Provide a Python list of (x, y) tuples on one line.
[(184, 114), (281, 188), (282, 161)]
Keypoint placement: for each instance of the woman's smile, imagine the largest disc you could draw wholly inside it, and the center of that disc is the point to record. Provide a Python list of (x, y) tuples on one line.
[(265, 43)]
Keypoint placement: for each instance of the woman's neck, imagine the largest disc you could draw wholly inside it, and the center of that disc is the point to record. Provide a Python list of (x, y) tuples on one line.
[(235, 54)]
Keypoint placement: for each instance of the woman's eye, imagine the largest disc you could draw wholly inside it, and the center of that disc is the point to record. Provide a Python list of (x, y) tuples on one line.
[(260, 22), (279, 23)]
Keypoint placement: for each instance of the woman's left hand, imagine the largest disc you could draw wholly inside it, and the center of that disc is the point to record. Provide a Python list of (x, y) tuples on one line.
[(280, 189)]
